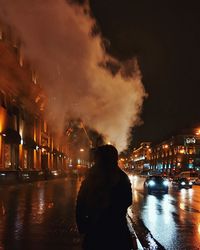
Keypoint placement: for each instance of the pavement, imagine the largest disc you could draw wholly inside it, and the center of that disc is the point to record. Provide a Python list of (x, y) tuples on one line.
[(139, 245)]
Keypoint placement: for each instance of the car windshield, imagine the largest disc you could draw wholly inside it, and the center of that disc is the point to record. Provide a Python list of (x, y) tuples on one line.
[(156, 178), (183, 179), (193, 175)]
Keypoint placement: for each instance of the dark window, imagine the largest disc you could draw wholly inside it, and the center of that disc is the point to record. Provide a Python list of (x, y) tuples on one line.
[(9, 106), (2, 99), (22, 114)]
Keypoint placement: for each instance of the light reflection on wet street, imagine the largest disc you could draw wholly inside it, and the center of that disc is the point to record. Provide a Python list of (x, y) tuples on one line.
[(39, 216), (173, 219)]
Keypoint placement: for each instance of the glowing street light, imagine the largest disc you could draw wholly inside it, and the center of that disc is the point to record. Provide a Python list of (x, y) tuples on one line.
[(198, 132)]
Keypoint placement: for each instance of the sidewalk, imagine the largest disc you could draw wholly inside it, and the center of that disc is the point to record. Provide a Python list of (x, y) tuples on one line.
[(139, 245)]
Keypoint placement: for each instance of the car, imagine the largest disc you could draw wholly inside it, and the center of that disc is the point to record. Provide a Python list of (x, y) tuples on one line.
[(156, 184), (182, 183), (197, 181), (189, 175)]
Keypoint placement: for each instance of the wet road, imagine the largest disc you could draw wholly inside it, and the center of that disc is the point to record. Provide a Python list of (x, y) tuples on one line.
[(172, 219), (40, 216)]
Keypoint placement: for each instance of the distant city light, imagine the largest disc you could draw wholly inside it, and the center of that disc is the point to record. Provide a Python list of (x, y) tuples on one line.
[(198, 132), (181, 151)]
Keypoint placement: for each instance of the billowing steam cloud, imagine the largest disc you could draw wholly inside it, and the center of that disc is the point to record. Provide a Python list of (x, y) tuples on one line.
[(56, 38)]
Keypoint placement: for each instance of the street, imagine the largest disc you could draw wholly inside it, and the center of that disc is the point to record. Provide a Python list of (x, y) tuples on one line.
[(41, 215), (99, 84), (172, 219)]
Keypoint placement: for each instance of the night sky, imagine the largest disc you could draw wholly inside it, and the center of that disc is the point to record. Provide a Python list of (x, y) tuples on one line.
[(165, 37)]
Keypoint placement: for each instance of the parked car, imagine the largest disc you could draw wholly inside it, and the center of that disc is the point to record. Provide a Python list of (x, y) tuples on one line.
[(156, 184), (182, 183)]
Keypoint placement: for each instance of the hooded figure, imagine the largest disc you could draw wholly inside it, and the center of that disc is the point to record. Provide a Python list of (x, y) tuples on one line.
[(102, 203)]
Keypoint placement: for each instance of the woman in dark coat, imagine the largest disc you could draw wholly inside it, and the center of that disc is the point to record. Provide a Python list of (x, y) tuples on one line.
[(102, 204)]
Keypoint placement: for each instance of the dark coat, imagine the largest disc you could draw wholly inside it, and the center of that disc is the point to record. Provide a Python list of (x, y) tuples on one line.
[(101, 209)]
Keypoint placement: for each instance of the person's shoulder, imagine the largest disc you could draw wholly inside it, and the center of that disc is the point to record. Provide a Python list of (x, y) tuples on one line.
[(90, 176), (122, 172), (123, 175), (91, 172)]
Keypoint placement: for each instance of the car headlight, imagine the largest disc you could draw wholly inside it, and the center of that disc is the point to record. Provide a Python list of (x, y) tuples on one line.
[(182, 183), (190, 183), (151, 183), (165, 183)]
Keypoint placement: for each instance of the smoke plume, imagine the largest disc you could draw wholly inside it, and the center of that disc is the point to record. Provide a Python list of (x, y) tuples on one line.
[(57, 40)]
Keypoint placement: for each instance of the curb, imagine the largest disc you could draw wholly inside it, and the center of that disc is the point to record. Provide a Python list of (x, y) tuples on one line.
[(130, 226)]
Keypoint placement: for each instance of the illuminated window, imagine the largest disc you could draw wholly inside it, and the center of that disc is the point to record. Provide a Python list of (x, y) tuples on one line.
[(45, 126), (178, 159), (34, 77), (21, 59), (25, 160), (191, 161), (7, 156), (2, 32), (191, 150), (181, 150)]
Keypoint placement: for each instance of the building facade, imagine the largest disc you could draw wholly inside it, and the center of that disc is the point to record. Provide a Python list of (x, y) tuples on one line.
[(141, 156), (27, 142), (180, 152)]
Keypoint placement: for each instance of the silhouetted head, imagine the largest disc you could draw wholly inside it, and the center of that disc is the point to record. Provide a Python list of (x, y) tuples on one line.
[(106, 156)]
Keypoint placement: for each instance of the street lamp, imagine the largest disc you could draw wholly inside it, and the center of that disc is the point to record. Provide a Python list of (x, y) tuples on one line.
[(198, 132), (81, 160)]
